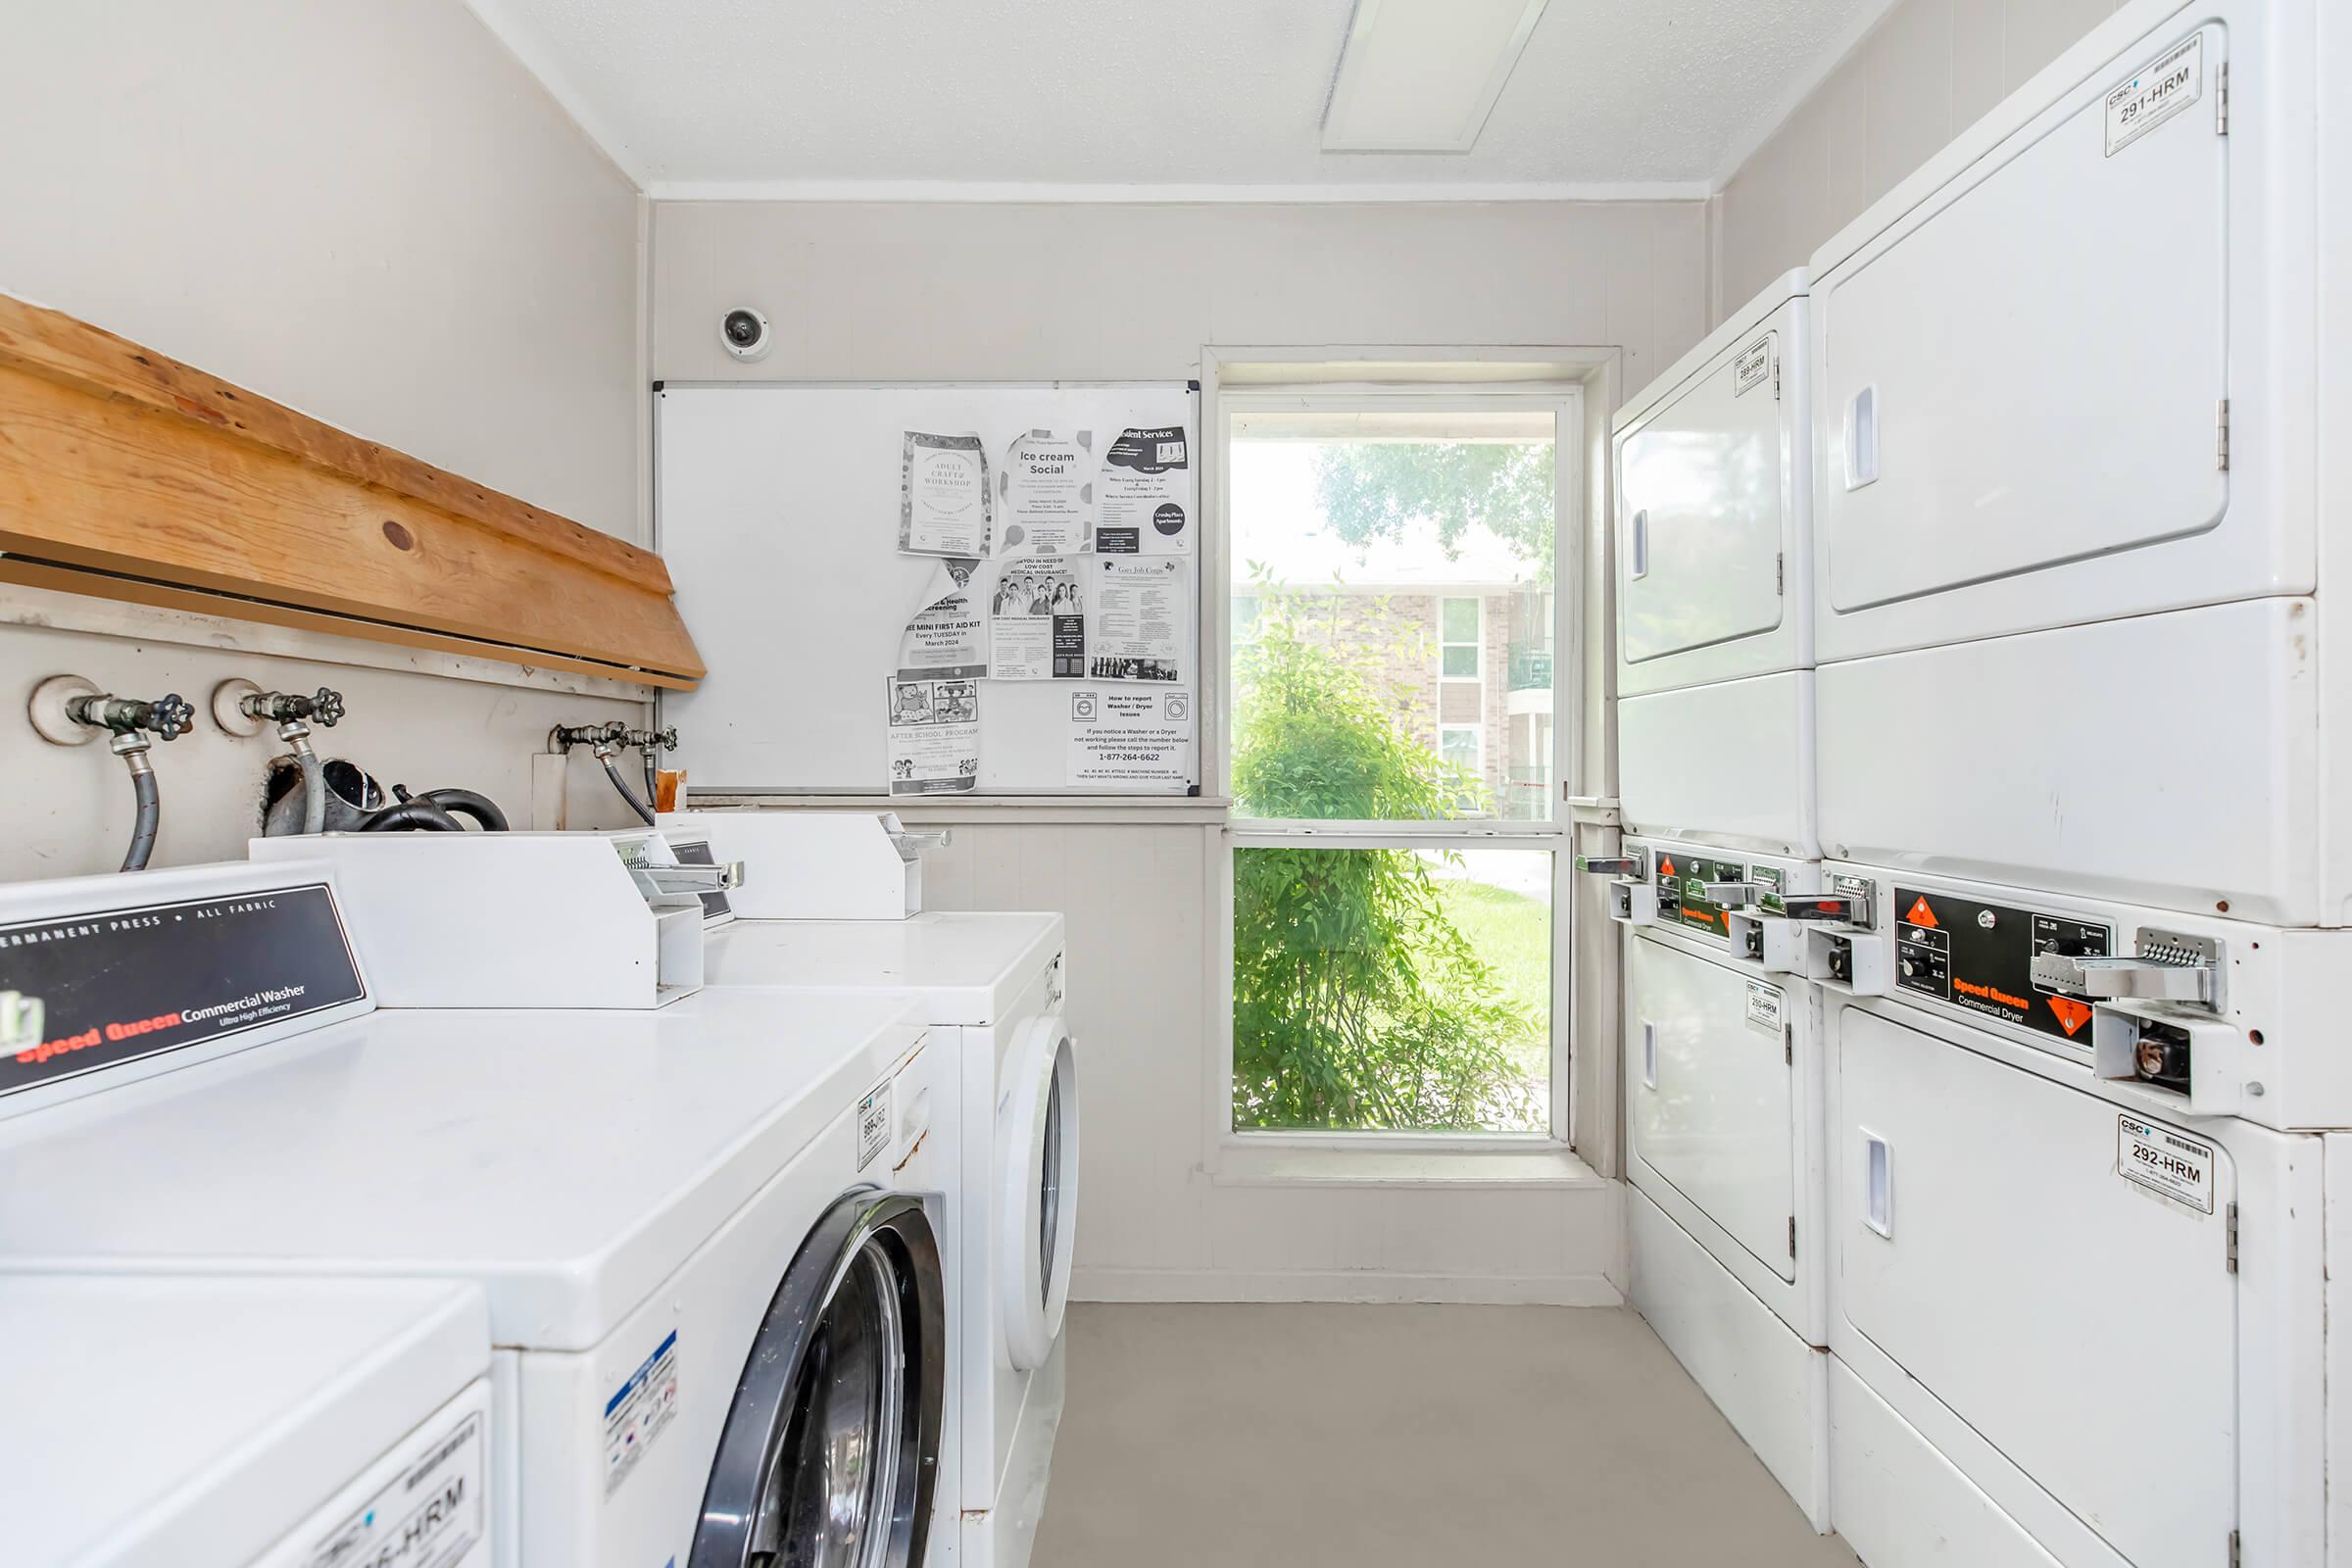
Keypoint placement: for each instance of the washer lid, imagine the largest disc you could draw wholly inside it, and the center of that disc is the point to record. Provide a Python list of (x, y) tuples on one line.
[(569, 1161), (198, 1420), (967, 969)]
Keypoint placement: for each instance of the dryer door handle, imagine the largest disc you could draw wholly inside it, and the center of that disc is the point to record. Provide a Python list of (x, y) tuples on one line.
[(1877, 1184), (1862, 438)]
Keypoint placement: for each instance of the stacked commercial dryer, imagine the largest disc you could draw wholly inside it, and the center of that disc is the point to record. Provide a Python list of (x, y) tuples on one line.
[(2082, 901), (1715, 719)]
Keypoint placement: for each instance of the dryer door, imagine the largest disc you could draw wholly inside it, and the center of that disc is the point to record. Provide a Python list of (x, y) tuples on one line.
[(1036, 1135), (1702, 496), (1999, 1239), (831, 1448), (1711, 1107)]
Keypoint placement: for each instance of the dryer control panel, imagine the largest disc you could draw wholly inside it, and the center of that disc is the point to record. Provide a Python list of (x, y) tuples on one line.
[(1980, 958)]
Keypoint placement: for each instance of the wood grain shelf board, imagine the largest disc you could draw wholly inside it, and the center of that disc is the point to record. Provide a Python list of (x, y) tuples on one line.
[(128, 474)]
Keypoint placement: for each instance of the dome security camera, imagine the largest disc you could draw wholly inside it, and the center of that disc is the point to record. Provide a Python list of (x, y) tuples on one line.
[(745, 332)]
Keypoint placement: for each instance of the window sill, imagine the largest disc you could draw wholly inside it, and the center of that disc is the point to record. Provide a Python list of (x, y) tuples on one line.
[(1358, 1166)]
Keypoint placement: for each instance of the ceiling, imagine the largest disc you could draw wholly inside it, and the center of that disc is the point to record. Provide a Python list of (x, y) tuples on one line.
[(1145, 98)]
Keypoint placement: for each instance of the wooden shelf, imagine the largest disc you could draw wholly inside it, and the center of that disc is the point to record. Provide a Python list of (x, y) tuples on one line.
[(127, 474)]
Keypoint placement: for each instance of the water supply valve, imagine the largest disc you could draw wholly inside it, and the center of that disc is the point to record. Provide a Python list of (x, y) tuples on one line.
[(324, 708), (610, 737), (70, 711), (130, 724)]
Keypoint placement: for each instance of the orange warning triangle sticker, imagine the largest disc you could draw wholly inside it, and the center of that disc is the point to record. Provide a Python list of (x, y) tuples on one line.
[(1921, 914), (2070, 1013), (1668, 867)]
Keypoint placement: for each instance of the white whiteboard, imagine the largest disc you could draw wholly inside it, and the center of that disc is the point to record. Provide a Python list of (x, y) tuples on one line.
[(776, 509)]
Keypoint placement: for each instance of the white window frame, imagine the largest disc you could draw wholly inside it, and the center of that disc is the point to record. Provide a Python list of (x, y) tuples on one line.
[(1564, 399)]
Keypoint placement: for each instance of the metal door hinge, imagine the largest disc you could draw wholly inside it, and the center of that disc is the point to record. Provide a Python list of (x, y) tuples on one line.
[(2221, 434), (2220, 103), (2237, 1552), (1793, 1236), (1776, 378), (1780, 574), (2233, 1238), (1789, 1045)]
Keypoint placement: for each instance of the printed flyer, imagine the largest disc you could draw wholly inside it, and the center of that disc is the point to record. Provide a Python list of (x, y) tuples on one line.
[(944, 503), (1146, 493), (1047, 489), (934, 736), (1137, 610), (1037, 622), (1130, 739), (948, 638)]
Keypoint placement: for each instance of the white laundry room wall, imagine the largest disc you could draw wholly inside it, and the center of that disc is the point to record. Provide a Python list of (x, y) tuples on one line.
[(1923, 74), (374, 214), (881, 291)]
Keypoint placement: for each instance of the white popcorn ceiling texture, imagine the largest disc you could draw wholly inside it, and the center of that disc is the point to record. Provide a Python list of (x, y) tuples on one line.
[(1144, 92)]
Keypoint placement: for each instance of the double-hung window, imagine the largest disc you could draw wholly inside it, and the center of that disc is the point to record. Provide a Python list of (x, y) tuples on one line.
[(1396, 965)]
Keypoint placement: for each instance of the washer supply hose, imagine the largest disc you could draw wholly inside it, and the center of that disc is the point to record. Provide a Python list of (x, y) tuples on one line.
[(150, 817), (313, 788), (645, 813)]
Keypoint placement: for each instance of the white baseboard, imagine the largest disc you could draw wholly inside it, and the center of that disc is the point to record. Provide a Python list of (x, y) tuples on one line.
[(1339, 1285)]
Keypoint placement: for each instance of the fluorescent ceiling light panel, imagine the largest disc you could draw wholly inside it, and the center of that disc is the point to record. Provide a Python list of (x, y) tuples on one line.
[(1422, 75)]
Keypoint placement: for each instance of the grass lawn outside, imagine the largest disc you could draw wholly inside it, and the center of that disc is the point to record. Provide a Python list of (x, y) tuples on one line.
[(1512, 933)]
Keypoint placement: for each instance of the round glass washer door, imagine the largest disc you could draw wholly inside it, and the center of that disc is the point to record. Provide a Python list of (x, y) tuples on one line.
[(1038, 1197), (830, 1452)]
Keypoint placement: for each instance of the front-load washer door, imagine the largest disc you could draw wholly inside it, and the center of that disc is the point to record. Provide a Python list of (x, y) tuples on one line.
[(831, 1448), (1038, 1137)]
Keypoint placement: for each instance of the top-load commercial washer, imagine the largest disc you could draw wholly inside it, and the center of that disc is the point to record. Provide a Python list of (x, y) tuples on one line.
[(718, 1329), (1714, 465), (990, 990), (214, 1422)]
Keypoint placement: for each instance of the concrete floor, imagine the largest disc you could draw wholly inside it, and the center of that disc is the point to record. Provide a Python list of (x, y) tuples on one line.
[(1197, 1436)]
